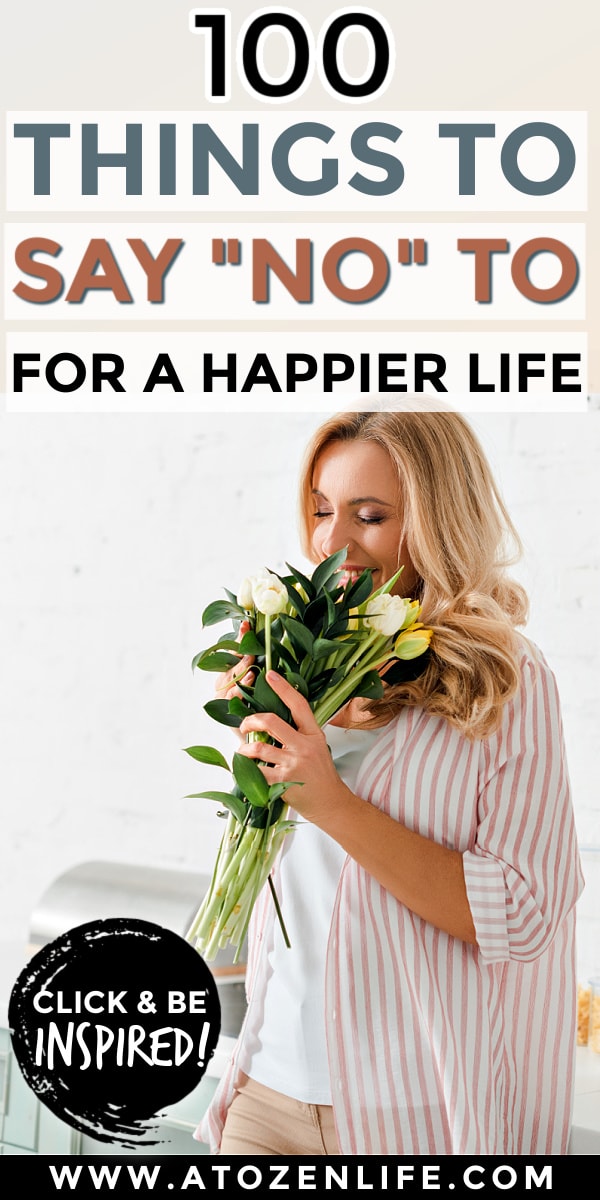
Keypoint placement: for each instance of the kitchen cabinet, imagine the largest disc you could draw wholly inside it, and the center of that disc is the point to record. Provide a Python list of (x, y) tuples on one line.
[(28, 1127)]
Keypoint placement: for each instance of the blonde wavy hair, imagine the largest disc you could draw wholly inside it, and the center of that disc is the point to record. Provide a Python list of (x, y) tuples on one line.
[(461, 540)]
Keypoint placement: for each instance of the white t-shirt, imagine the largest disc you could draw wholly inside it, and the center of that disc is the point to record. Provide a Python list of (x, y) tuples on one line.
[(291, 1052)]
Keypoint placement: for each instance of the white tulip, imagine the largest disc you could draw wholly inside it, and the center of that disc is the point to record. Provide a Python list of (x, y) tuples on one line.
[(269, 594), (386, 614), (244, 596)]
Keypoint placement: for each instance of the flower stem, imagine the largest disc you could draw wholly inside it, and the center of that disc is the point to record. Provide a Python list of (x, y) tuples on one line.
[(360, 649), (336, 698), (268, 662), (279, 913)]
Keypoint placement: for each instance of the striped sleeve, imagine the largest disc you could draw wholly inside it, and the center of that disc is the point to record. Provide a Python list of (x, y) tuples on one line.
[(523, 874)]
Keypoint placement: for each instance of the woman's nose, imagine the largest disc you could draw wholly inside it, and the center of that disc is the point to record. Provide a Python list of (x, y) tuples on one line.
[(335, 536)]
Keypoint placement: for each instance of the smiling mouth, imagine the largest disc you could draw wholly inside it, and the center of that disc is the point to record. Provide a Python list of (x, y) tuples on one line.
[(349, 574)]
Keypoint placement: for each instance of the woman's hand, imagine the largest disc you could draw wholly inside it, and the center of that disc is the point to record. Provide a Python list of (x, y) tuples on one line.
[(226, 684), (303, 755), (422, 874)]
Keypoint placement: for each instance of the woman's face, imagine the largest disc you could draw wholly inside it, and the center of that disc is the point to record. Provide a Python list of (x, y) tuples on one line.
[(357, 504)]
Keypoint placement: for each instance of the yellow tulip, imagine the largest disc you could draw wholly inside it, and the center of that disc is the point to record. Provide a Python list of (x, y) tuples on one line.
[(412, 642), (413, 613)]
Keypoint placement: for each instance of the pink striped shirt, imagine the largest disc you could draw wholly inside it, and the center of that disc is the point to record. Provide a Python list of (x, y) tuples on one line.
[(437, 1046)]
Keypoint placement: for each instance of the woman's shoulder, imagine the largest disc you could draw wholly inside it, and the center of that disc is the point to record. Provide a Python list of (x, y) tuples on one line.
[(535, 708), (532, 660)]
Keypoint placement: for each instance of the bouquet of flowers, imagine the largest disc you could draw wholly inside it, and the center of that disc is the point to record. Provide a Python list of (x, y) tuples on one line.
[(333, 639)]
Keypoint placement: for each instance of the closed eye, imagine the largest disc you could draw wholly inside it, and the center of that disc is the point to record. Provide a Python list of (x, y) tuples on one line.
[(363, 520)]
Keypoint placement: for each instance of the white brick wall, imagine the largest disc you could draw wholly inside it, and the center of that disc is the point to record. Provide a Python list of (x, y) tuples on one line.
[(114, 534)]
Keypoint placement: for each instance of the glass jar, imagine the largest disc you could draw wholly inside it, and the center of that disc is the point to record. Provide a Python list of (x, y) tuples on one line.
[(584, 1003), (594, 1021)]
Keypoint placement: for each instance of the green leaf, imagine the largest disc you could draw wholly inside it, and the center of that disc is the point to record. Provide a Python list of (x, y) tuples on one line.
[(219, 661), (334, 589), (298, 682), (269, 815), (251, 643), (226, 642), (370, 686), (219, 610), (268, 700), (276, 808), (337, 677), (208, 754), (300, 637), (328, 567), (248, 696), (287, 826), (323, 647), (238, 708), (219, 711), (340, 629), (278, 789), (320, 684), (331, 609), (305, 666), (232, 803), (315, 616), (297, 602), (303, 580), (260, 818), (251, 780), (388, 585), (359, 591), (404, 671), (285, 655)]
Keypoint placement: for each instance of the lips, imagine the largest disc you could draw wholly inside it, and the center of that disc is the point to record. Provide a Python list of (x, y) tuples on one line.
[(351, 571)]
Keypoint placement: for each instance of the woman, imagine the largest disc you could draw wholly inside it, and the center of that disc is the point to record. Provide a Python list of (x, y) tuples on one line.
[(427, 1003)]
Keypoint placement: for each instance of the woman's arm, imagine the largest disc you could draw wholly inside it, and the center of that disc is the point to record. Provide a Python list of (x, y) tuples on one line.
[(425, 876)]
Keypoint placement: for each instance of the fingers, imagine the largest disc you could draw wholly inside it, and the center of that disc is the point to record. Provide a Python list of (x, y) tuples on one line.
[(227, 684), (245, 661), (268, 723), (298, 706), (265, 752)]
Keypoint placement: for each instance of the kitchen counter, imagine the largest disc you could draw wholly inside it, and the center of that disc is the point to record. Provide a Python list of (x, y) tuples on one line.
[(585, 1135), (585, 1130)]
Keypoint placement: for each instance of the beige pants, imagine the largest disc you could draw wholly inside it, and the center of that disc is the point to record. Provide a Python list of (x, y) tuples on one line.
[(261, 1121)]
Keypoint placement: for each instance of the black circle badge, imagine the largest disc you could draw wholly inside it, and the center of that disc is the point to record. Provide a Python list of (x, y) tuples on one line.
[(111, 1023)]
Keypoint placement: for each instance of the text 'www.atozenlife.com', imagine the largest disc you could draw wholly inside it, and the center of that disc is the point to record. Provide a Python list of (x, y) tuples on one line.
[(460, 1178)]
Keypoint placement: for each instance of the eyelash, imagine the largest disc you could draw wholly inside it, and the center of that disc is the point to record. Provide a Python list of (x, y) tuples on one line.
[(363, 520)]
